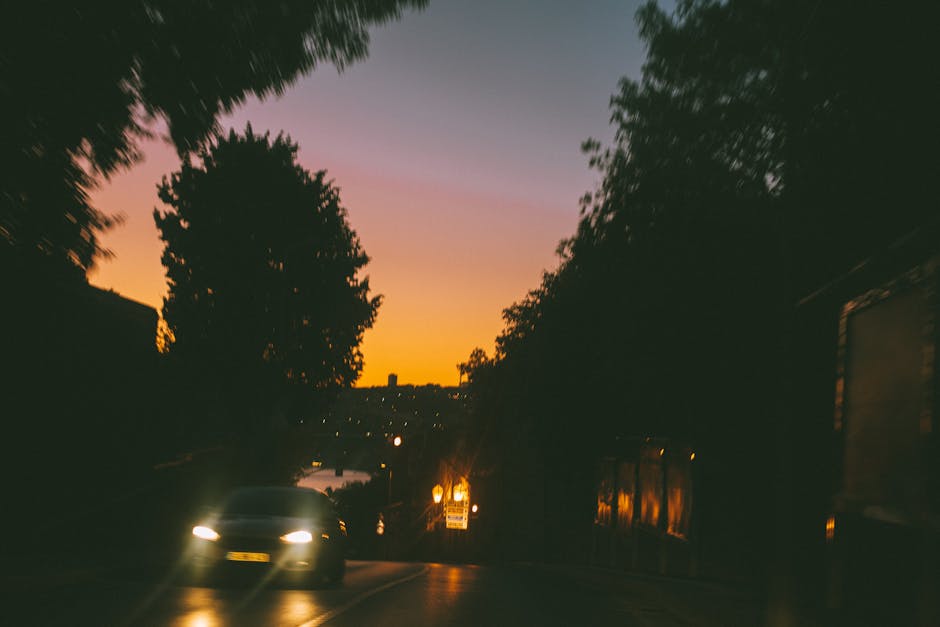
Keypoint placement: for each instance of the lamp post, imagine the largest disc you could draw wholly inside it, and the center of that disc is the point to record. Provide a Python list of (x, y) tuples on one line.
[(437, 495), (396, 442)]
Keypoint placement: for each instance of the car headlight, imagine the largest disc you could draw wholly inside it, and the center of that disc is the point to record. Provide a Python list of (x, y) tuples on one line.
[(205, 533), (297, 537)]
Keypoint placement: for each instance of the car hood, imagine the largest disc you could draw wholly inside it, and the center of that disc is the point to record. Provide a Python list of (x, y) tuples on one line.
[(261, 526)]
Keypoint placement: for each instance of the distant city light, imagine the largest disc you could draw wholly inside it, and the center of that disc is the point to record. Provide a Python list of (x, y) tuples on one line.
[(397, 441), (475, 508)]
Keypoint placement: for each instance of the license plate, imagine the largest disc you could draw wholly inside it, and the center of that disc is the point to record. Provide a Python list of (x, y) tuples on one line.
[(241, 556)]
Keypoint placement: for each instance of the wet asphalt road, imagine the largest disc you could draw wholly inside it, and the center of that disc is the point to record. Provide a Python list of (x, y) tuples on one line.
[(374, 593)]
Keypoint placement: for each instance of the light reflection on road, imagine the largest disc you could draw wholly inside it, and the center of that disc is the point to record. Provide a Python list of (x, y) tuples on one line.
[(203, 607), (454, 583), (199, 618), (297, 606), (197, 609), (129, 597)]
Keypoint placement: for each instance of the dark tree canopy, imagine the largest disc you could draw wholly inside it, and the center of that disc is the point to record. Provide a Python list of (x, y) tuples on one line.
[(80, 84), (477, 361), (752, 163), (755, 160), (262, 269)]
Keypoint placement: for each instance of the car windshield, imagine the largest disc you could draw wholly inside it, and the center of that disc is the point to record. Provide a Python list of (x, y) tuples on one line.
[(287, 502)]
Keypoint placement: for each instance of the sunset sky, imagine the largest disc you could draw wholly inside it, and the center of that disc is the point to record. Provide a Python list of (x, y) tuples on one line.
[(456, 146)]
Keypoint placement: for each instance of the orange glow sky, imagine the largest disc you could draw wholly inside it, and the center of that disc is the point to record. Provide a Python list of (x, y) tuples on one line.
[(456, 149)]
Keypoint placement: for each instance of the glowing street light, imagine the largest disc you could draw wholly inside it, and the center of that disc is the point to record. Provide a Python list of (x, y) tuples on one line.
[(475, 508), (460, 492), (437, 493), (397, 440)]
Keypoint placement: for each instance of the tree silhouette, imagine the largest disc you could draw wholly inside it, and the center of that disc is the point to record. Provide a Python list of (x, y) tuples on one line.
[(264, 297), (80, 85), (474, 363), (752, 163)]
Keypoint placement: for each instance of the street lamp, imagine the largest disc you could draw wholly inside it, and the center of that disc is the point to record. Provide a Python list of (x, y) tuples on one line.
[(475, 508), (460, 491), (437, 493), (396, 442)]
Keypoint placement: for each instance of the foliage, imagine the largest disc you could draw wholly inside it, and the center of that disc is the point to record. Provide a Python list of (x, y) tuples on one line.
[(474, 363), (752, 163), (80, 85), (264, 294)]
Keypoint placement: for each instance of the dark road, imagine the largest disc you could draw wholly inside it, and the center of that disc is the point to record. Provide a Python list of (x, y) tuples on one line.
[(374, 593)]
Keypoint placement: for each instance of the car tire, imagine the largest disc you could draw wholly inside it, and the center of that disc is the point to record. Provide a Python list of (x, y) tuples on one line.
[(336, 573)]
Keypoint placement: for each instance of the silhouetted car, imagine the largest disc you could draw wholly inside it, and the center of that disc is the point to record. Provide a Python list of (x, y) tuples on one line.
[(290, 530)]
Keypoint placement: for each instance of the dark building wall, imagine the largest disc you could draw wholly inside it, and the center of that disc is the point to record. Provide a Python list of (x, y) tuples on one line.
[(863, 450)]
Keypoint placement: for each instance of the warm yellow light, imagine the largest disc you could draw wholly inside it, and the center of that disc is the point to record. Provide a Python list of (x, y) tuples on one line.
[(316, 463), (692, 457), (397, 440), (297, 537), (460, 492), (662, 452), (475, 508), (830, 528), (437, 493), (205, 533)]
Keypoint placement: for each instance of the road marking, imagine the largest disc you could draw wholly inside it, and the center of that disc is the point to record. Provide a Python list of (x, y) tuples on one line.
[(319, 620)]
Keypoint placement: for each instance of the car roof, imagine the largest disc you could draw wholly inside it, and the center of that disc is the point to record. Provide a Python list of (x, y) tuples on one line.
[(279, 488)]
